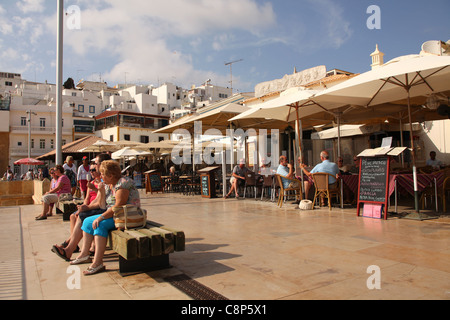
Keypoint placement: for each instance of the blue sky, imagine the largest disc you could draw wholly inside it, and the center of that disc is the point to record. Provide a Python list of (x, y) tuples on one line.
[(188, 41)]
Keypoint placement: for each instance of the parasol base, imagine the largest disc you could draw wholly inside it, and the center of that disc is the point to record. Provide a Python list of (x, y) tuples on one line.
[(418, 216)]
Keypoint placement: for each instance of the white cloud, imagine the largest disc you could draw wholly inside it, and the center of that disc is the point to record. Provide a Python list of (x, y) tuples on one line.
[(137, 34), (335, 27), (27, 6)]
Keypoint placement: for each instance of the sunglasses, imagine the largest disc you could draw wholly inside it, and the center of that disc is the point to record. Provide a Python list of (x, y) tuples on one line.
[(93, 170)]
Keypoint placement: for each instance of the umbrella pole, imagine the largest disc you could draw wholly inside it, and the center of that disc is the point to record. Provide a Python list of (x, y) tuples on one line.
[(300, 152), (417, 215), (339, 154), (413, 153)]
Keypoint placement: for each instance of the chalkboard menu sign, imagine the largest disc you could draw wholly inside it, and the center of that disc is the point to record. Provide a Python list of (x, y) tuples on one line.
[(153, 182), (208, 182), (373, 182), (205, 185)]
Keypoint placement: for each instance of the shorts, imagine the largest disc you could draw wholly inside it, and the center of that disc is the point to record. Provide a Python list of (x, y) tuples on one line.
[(50, 198), (103, 227), (86, 214)]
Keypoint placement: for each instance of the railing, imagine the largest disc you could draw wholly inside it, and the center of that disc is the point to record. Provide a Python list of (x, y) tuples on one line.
[(36, 130)]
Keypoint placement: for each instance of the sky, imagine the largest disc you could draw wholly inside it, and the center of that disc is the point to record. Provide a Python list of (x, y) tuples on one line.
[(187, 42)]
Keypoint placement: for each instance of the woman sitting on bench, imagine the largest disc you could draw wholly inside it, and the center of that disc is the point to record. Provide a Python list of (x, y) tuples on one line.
[(52, 196), (119, 192)]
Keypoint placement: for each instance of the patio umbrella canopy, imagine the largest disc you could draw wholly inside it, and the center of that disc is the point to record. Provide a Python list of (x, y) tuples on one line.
[(212, 119), (125, 152), (29, 161), (401, 78)]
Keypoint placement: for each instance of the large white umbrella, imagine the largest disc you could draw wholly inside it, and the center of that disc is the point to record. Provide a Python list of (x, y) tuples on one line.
[(125, 153), (287, 107), (99, 146), (402, 78)]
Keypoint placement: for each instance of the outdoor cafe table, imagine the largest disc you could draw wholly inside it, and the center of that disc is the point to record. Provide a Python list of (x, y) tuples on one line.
[(404, 181)]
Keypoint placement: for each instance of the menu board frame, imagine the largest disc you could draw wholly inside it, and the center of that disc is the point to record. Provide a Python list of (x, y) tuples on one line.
[(367, 169), (148, 182), (208, 172)]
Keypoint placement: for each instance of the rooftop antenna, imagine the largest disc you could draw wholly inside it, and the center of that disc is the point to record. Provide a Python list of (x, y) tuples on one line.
[(231, 72)]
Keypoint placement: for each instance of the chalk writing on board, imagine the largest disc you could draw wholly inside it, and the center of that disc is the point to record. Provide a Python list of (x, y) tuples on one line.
[(372, 179)]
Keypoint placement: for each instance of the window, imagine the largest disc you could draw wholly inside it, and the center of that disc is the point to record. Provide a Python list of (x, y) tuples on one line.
[(42, 143), (32, 143), (91, 109), (111, 138), (52, 144), (64, 142), (19, 144), (160, 139), (42, 123), (80, 108), (74, 94), (8, 83), (126, 137), (23, 121), (145, 139)]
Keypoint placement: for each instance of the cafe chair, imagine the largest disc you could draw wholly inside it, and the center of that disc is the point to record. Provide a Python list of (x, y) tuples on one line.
[(250, 182), (323, 189), (267, 185), (174, 184), (285, 192), (429, 192), (193, 186)]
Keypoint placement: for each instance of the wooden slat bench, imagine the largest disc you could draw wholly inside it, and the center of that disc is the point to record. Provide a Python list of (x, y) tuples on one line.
[(67, 207), (146, 249)]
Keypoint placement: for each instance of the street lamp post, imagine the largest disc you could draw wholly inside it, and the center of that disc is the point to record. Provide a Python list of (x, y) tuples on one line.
[(29, 112), (59, 81)]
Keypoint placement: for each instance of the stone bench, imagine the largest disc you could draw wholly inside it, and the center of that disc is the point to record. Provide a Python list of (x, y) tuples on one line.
[(146, 249)]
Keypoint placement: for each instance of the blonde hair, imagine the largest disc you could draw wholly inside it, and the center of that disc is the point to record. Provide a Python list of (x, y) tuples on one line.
[(111, 168)]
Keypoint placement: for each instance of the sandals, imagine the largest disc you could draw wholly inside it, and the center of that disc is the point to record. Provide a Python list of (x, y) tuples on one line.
[(81, 260), (41, 217), (62, 255), (90, 271)]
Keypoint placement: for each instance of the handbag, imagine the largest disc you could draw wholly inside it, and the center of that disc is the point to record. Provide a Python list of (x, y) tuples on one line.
[(129, 217), (65, 197)]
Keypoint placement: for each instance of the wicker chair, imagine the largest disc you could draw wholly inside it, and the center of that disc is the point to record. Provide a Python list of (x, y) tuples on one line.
[(284, 192), (321, 183)]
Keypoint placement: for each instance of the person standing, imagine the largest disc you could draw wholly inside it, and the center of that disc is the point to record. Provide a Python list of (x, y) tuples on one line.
[(83, 176), (70, 168)]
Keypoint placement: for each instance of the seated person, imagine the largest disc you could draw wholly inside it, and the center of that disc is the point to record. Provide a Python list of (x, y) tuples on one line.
[(354, 169), (53, 185), (95, 207), (325, 166), (52, 196), (286, 170), (119, 192), (433, 162), (342, 169), (92, 192), (238, 178), (264, 169)]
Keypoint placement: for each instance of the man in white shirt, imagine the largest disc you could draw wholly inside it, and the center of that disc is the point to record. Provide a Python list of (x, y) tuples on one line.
[(433, 162)]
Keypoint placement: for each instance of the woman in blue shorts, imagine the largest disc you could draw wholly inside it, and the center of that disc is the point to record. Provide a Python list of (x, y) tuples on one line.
[(119, 192)]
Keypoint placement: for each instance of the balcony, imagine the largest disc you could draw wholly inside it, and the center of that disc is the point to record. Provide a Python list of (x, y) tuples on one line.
[(23, 152), (38, 130)]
